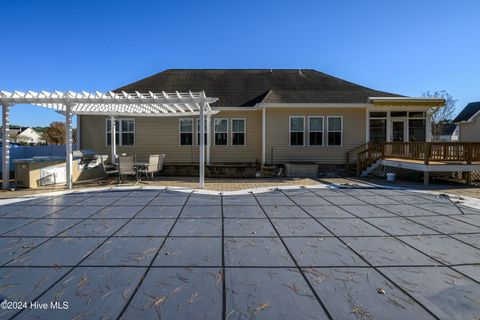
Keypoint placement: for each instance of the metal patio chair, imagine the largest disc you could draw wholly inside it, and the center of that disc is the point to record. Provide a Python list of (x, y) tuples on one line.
[(108, 170), (126, 167), (155, 164)]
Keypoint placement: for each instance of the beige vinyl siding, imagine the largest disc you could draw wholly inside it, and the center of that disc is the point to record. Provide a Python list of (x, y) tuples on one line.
[(470, 131), (161, 135), (277, 132)]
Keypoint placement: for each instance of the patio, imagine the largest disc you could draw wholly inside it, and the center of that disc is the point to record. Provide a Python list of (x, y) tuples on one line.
[(291, 253)]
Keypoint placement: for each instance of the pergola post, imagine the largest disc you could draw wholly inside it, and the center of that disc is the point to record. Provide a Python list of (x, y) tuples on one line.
[(69, 138), (263, 135), (113, 140), (209, 137), (202, 146), (5, 146)]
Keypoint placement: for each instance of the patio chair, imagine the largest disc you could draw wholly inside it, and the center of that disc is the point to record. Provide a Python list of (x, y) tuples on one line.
[(155, 164), (108, 169), (126, 167)]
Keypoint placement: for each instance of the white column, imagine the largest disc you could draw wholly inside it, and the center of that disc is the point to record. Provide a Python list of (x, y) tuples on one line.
[(263, 135), (202, 147), (69, 155), (78, 132), (113, 140), (209, 137), (428, 127), (5, 146)]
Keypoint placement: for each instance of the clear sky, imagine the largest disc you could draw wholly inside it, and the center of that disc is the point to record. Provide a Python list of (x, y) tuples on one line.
[(406, 47)]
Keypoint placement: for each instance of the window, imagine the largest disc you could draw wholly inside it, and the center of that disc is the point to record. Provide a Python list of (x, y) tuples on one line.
[(334, 131), (416, 114), (238, 132), (416, 130), (186, 132), (378, 114), (378, 130), (124, 132), (198, 132), (398, 114), (315, 131), (221, 132), (297, 131)]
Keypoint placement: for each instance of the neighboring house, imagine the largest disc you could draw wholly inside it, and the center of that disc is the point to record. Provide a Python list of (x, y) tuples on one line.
[(303, 115), (29, 136), (468, 122), (449, 132)]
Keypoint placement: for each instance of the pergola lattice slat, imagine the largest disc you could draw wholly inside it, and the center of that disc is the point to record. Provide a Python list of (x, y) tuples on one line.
[(110, 104)]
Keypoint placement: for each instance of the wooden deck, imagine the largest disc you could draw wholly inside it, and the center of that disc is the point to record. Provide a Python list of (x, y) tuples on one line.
[(419, 156)]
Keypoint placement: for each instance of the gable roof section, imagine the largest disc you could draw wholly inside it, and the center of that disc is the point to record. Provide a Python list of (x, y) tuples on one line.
[(448, 129), (247, 87), (468, 112)]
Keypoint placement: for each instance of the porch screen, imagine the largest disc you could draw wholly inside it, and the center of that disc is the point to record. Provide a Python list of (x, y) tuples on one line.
[(416, 130), (378, 130)]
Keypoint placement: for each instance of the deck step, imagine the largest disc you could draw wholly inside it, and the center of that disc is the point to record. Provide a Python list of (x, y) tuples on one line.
[(370, 168)]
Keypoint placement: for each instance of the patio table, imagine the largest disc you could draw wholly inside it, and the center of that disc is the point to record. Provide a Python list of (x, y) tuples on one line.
[(138, 166)]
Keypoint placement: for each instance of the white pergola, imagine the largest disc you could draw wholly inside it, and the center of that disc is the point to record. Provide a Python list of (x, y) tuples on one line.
[(108, 104)]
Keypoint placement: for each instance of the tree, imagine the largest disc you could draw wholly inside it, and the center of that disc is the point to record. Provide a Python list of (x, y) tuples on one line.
[(442, 115), (56, 133)]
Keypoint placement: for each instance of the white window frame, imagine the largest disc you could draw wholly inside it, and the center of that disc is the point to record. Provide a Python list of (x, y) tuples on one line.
[(341, 131), (180, 132), (119, 131), (290, 131), (323, 131), (215, 132), (244, 132)]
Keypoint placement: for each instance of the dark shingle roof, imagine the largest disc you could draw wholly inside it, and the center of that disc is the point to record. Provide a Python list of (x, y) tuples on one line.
[(247, 87), (448, 128), (468, 112)]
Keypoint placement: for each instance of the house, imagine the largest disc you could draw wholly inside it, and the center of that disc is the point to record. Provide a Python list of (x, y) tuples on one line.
[(448, 132), (265, 115), (468, 122), (29, 136), (24, 135)]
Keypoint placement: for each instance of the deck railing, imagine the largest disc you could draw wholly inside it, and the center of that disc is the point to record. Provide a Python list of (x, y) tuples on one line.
[(426, 152)]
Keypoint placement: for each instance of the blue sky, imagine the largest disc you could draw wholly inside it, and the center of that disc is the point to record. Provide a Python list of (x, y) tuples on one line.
[(406, 47)]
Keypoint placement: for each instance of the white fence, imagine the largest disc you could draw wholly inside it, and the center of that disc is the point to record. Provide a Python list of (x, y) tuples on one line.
[(21, 152)]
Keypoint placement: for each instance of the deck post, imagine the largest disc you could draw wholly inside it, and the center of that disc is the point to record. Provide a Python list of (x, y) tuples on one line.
[(469, 161), (426, 153), (202, 147), (113, 140), (5, 146), (69, 149), (426, 178)]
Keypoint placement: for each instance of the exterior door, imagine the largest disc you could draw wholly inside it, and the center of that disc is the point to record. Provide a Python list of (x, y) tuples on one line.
[(398, 131)]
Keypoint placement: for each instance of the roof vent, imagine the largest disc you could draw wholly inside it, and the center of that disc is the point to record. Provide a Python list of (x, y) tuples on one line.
[(271, 70), (300, 72)]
